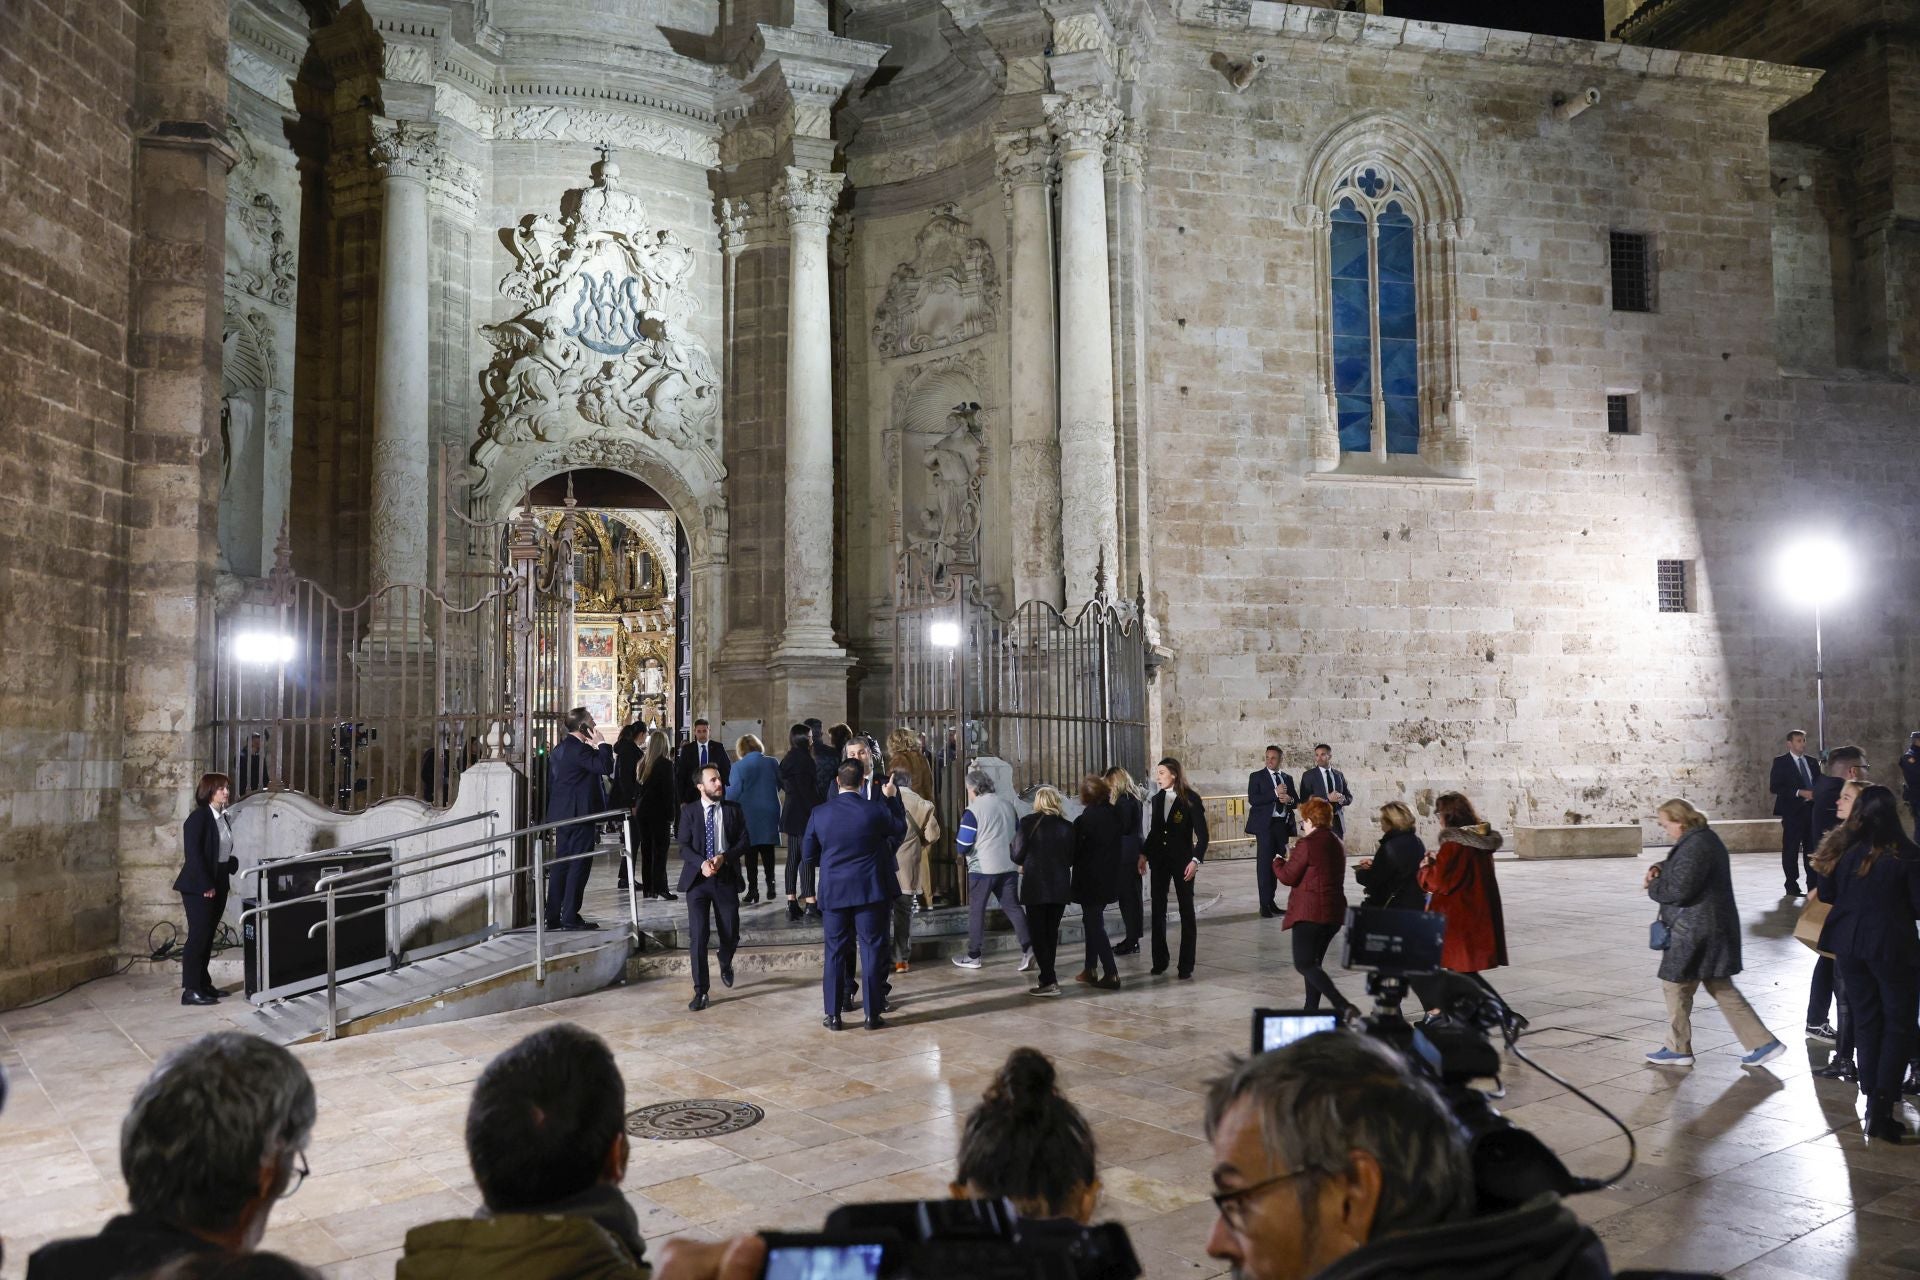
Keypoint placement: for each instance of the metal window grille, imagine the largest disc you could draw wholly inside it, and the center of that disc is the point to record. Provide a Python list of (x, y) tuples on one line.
[(1673, 586), (1631, 257), (1620, 415)]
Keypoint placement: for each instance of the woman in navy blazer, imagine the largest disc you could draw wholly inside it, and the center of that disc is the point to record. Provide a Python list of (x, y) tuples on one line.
[(754, 785), (800, 794), (207, 863), (1875, 893)]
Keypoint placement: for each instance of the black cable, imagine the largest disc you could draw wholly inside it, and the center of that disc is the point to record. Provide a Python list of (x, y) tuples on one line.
[(1585, 1184), (33, 1004)]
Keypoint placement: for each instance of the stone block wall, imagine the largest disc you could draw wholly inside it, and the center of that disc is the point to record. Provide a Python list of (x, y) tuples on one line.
[(66, 209)]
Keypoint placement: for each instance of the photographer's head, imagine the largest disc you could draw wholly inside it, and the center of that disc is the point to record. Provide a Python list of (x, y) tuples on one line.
[(1027, 1143), (216, 1136), (1322, 1146), (547, 1121)]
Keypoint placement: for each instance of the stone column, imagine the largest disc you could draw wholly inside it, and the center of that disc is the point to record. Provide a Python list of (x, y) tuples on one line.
[(1089, 516), (1025, 159), (808, 198), (401, 396)]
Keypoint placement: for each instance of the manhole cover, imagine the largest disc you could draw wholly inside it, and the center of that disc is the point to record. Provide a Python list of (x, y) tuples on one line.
[(694, 1118)]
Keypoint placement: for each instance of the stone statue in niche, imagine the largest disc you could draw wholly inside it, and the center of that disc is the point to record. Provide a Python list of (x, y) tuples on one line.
[(948, 293), (947, 530), (602, 336)]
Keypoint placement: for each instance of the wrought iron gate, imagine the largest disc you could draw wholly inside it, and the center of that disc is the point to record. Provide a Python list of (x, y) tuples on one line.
[(1056, 698)]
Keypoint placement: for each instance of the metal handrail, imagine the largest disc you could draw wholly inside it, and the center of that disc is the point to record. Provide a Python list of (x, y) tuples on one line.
[(604, 816), (376, 841), (318, 925)]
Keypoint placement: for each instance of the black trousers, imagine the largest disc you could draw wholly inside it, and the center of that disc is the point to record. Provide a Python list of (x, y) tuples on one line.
[(763, 855), (203, 921), (655, 837), (724, 901), (1099, 949), (567, 881), (799, 874), (1164, 872), (1267, 844), (1310, 943), (1043, 919), (1820, 990), (1882, 1003), (1796, 847), (1130, 894)]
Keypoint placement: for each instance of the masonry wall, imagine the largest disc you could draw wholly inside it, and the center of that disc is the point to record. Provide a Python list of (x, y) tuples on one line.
[(1502, 636), (66, 221)]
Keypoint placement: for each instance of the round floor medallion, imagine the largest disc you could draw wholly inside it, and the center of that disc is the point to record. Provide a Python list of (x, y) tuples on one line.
[(694, 1118)]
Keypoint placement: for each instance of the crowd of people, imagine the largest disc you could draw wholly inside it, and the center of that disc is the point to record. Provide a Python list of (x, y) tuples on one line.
[(1330, 1159)]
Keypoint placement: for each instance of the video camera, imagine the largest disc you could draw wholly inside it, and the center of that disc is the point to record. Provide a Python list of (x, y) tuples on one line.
[(1401, 949), (980, 1239)]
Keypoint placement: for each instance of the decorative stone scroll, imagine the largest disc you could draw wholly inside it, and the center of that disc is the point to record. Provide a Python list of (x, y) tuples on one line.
[(602, 336), (948, 293), (260, 262)]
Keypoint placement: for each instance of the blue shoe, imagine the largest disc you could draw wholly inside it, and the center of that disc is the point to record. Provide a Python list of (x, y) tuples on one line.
[(1668, 1058), (1764, 1054)]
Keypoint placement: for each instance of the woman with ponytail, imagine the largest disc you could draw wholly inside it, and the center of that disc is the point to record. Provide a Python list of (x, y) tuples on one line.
[(1026, 1143)]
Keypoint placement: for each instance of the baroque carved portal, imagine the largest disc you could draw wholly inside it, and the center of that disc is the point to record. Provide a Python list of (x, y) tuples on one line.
[(603, 334), (947, 294)]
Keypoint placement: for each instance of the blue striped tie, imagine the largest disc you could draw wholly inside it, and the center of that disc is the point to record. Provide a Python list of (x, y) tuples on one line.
[(712, 809)]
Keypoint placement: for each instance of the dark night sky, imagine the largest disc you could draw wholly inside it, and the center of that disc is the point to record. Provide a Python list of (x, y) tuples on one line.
[(1584, 19)]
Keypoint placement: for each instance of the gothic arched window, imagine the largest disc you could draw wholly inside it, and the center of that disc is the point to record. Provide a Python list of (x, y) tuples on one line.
[(1376, 339)]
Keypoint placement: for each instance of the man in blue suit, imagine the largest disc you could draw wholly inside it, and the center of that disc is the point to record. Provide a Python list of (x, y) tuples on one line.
[(851, 842), (1270, 803), (574, 771)]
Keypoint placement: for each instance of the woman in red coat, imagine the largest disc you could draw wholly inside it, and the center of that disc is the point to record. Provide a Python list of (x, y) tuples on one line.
[(1459, 876), (1315, 871)]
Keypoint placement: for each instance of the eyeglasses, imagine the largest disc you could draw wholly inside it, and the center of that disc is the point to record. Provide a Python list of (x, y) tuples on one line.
[(298, 1175), (1233, 1204)]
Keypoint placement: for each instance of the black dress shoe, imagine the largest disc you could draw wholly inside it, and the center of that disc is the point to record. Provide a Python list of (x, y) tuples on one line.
[(1793, 890), (1184, 977), (1158, 969), (1127, 949), (850, 1005), (210, 993), (876, 1023), (698, 1002), (197, 997), (669, 897), (751, 900), (813, 911), (832, 1022), (793, 910), (726, 976), (579, 926), (1268, 913)]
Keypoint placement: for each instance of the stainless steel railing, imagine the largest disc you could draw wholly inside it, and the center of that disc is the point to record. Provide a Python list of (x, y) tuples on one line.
[(384, 878)]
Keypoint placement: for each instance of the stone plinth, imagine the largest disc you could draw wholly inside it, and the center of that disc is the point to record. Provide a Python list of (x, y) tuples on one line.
[(1750, 835), (1583, 840)]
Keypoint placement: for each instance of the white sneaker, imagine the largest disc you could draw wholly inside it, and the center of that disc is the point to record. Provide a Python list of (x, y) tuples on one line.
[(1026, 960), (967, 962)]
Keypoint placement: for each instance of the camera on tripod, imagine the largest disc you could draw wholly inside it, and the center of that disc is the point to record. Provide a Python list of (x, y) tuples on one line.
[(979, 1239)]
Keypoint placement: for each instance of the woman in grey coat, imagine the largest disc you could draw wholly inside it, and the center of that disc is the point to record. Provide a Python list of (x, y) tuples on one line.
[(1694, 888)]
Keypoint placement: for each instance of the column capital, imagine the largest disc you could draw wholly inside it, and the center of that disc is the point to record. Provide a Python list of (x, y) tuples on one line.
[(735, 212), (1082, 121), (1127, 156), (1022, 158), (405, 148), (809, 196)]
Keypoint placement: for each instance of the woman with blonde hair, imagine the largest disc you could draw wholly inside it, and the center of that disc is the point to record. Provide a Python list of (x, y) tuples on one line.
[(1043, 849), (913, 867), (1124, 795), (1694, 887), (754, 784), (1391, 876), (655, 812)]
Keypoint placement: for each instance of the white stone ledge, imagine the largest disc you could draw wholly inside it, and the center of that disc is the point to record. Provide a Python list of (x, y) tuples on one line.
[(1389, 477), (1581, 840)]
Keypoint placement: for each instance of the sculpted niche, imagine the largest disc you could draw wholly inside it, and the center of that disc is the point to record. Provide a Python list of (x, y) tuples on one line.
[(946, 294), (602, 337)]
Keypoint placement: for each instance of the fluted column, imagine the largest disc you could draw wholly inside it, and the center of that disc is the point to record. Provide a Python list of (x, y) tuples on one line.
[(401, 397), (1089, 514), (1025, 159), (808, 198)]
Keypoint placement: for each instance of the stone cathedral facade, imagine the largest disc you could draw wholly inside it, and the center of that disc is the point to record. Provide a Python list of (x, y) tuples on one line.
[(1444, 391)]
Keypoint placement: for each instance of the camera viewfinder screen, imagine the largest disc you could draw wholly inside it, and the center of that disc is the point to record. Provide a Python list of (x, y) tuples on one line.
[(1278, 1028), (825, 1262)]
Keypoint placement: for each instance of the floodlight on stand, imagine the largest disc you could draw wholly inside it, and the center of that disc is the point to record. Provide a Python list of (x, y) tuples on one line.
[(263, 648), (1816, 570), (944, 635)]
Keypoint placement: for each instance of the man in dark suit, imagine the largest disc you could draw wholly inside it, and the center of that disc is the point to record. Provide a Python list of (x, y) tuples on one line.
[(1270, 801), (574, 790), (1327, 783), (871, 789), (713, 835), (1791, 781), (695, 756), (851, 842)]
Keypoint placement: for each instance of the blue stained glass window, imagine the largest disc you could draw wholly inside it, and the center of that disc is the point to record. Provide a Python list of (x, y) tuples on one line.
[(1375, 317)]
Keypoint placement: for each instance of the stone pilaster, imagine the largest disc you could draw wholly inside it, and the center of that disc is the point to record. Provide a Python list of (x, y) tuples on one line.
[(1089, 515), (1025, 159)]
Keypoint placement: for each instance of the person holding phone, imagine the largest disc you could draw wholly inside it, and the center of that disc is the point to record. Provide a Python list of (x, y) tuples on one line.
[(574, 790)]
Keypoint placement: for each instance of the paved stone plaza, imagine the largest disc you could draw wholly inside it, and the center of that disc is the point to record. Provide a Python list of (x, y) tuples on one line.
[(1760, 1174)]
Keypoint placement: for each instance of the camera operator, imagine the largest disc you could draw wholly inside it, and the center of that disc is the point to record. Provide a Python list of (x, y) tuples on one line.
[(1333, 1162)]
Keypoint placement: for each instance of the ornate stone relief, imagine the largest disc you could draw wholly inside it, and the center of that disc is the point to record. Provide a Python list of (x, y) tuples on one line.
[(409, 62), (1023, 159), (947, 293), (618, 130), (261, 75), (937, 446), (601, 339), (405, 148), (260, 262), (1083, 122), (902, 163)]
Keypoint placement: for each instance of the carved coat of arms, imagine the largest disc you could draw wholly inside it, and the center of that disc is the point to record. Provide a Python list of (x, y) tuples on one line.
[(602, 335)]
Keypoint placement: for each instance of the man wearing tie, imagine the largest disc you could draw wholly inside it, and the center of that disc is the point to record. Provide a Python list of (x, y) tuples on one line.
[(1791, 782), (713, 834), (1270, 801), (574, 771), (860, 751), (851, 842), (1327, 783), (695, 756)]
